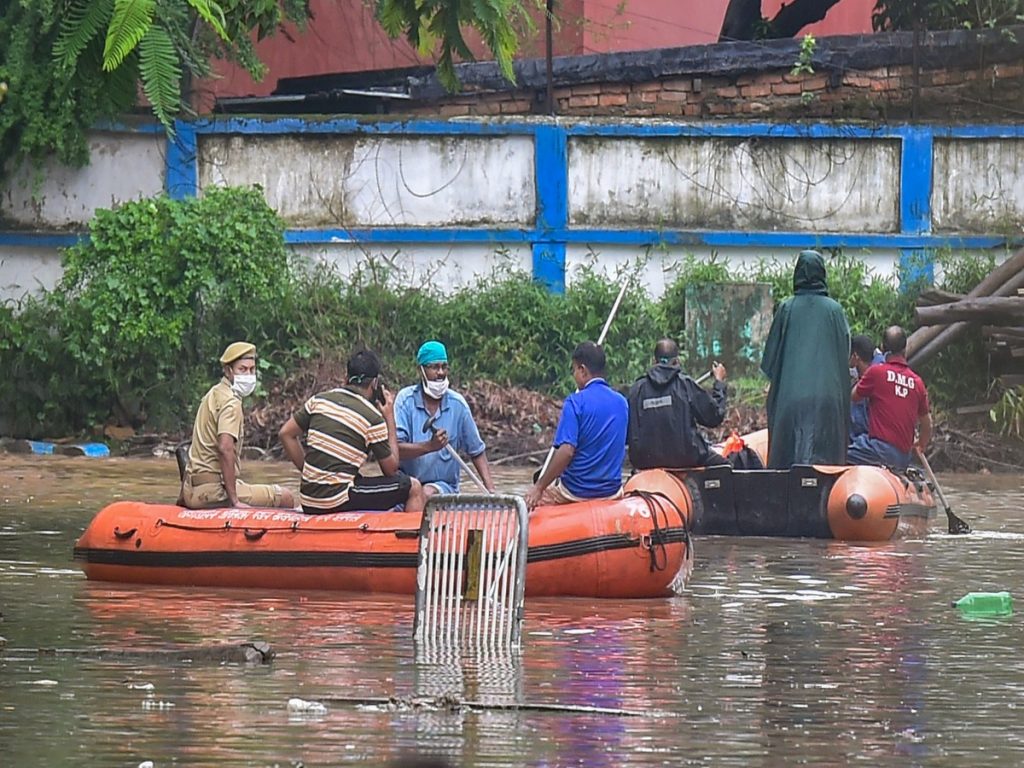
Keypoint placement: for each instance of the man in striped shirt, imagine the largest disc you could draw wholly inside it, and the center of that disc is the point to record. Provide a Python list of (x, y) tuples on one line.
[(344, 427)]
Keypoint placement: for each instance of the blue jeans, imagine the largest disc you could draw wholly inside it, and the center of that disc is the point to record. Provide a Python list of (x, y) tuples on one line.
[(871, 450)]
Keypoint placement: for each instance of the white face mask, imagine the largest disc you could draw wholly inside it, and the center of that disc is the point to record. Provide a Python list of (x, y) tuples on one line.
[(436, 389), (244, 384), (854, 373)]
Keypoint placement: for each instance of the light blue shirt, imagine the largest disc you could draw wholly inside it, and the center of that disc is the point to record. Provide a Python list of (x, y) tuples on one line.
[(454, 416)]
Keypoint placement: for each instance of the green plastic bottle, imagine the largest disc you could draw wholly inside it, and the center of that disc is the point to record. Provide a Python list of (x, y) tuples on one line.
[(985, 604)]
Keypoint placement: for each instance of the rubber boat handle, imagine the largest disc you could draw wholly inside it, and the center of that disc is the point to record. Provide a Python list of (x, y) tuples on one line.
[(252, 535), (119, 534)]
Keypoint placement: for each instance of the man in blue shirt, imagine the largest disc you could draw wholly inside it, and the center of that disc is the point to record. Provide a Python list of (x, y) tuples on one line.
[(590, 440), (424, 454)]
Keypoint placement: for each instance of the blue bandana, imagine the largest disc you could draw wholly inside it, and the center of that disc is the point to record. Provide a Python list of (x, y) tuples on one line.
[(432, 352)]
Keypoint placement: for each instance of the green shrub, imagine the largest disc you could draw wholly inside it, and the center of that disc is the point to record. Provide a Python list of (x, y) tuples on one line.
[(145, 306)]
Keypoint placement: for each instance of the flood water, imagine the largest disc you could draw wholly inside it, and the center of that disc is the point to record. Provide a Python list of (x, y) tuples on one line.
[(780, 652)]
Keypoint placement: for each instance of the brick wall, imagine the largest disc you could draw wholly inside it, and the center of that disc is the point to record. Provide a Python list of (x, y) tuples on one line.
[(993, 92)]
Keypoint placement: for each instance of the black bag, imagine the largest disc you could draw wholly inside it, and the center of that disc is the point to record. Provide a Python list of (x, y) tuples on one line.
[(745, 458)]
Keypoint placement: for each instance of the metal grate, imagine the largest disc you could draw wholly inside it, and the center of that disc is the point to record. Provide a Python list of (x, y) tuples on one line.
[(471, 575)]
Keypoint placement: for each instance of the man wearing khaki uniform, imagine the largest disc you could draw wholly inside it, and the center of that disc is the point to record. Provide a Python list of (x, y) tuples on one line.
[(211, 475)]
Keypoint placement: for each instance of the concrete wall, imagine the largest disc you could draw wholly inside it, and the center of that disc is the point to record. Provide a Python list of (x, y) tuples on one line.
[(447, 267), (123, 166), (380, 181), (27, 270), (707, 182), (446, 201), (979, 186)]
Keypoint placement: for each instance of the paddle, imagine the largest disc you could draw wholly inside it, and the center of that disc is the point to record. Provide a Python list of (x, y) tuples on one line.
[(600, 341), (429, 427), (956, 525)]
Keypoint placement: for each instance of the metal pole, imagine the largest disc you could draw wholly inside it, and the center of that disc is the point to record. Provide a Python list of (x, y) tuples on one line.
[(549, 101)]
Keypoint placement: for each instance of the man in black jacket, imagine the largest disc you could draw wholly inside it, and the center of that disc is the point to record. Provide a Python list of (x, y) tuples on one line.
[(665, 407)]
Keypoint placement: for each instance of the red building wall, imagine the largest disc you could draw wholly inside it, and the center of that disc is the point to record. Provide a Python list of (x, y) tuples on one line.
[(344, 36)]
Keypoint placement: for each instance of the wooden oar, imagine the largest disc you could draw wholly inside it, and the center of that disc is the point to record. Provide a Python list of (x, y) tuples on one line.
[(956, 525), (429, 427)]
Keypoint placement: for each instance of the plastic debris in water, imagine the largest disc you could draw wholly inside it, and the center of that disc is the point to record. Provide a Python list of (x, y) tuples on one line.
[(301, 706), (146, 764), (985, 604)]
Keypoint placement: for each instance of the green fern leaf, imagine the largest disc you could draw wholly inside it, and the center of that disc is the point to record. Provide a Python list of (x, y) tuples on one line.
[(81, 23), (210, 12), (160, 68), (132, 20)]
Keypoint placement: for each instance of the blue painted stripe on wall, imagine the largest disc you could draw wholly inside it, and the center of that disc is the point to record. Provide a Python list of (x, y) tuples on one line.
[(289, 125), (427, 236), (181, 177), (916, 266), (549, 265), (916, 181), (642, 237), (276, 125), (551, 174), (40, 239), (596, 237)]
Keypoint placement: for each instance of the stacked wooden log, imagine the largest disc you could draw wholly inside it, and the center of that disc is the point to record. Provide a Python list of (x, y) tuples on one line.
[(994, 302)]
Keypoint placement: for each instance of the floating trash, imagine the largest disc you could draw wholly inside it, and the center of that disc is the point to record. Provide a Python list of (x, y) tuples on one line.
[(301, 706), (985, 604)]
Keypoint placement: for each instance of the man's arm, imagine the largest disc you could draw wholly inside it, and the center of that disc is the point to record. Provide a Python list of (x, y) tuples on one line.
[(289, 436), (389, 464), (863, 388), (557, 465), (469, 440), (924, 426), (483, 468), (414, 450), (226, 457), (709, 409)]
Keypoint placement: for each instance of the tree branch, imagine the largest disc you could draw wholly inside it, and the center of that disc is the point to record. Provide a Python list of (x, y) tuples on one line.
[(740, 19), (798, 14)]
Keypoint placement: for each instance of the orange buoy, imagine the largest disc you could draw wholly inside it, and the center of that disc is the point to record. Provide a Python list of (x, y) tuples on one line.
[(864, 505)]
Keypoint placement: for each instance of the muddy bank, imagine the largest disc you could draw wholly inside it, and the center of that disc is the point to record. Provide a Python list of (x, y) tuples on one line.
[(518, 425)]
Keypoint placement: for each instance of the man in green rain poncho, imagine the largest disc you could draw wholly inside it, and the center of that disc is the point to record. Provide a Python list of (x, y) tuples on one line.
[(806, 358)]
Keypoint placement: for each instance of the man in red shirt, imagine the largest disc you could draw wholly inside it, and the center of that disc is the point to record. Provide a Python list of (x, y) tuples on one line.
[(898, 402)]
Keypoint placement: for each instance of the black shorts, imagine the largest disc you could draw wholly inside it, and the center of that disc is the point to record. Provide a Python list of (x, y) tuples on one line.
[(372, 494)]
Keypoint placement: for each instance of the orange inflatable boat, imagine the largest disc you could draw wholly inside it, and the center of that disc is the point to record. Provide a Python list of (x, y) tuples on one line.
[(635, 547), (852, 503)]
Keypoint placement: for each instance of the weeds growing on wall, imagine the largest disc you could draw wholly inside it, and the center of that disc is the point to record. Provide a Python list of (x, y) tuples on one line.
[(133, 331)]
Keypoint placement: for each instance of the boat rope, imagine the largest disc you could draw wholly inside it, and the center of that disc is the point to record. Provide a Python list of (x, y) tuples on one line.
[(256, 532), (658, 538)]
